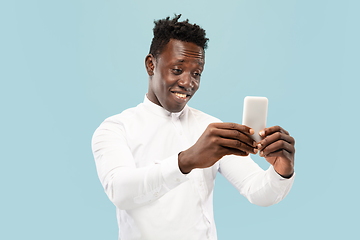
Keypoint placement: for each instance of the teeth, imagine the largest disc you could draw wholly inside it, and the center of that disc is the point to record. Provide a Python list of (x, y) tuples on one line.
[(180, 95)]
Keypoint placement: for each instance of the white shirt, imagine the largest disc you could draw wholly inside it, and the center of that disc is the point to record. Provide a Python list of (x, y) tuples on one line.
[(136, 155)]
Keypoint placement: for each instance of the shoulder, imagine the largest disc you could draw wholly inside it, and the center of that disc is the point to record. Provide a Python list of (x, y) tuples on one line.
[(122, 117), (118, 123)]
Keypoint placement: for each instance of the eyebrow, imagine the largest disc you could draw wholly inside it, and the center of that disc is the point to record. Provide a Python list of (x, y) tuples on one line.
[(182, 60)]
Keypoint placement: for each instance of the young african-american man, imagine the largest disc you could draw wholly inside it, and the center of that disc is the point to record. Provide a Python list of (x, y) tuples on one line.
[(157, 161)]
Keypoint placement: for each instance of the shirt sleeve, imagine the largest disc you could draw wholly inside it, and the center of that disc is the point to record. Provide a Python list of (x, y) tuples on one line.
[(126, 185), (263, 188)]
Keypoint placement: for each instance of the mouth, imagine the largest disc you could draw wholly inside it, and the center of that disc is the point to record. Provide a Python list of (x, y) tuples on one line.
[(182, 96)]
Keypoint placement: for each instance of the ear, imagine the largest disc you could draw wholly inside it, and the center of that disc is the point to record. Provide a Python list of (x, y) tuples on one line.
[(150, 64)]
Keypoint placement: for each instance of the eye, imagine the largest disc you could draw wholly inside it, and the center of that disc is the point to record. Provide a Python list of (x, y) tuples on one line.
[(176, 71), (197, 74)]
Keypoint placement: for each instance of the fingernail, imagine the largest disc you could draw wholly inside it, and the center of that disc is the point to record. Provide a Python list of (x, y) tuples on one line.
[(261, 153), (251, 131), (254, 144), (255, 151), (262, 133), (259, 145)]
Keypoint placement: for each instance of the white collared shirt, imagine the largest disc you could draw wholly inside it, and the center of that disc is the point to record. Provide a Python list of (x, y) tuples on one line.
[(136, 155)]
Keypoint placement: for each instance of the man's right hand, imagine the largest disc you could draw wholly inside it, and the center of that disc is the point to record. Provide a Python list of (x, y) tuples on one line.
[(218, 140)]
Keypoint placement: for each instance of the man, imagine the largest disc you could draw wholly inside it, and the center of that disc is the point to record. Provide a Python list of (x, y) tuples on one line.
[(157, 162)]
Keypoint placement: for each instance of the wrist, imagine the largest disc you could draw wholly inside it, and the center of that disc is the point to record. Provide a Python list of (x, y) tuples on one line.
[(285, 174), (184, 163)]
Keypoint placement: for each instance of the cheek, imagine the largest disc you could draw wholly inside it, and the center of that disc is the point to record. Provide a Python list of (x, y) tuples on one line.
[(161, 83), (164, 79), (196, 85), (169, 81)]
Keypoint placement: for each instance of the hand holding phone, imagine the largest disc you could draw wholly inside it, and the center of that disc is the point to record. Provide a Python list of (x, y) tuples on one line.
[(254, 114)]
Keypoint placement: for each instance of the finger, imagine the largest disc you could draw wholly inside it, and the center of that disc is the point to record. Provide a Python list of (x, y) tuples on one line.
[(268, 131), (234, 134), (234, 126), (280, 153), (232, 151), (275, 137), (276, 147), (236, 144)]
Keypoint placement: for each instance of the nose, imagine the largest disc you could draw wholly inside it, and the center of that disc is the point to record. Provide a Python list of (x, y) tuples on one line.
[(186, 81)]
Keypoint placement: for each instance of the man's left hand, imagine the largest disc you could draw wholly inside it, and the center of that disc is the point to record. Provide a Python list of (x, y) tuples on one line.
[(278, 148)]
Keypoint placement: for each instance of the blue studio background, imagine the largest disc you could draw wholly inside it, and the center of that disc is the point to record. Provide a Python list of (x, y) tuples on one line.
[(67, 65)]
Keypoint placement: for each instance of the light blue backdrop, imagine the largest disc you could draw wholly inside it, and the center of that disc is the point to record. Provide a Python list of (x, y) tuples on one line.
[(67, 65)]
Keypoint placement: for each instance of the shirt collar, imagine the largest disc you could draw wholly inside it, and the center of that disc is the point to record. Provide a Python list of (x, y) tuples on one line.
[(158, 110)]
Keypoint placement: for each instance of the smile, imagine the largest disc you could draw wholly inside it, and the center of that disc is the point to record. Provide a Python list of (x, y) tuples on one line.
[(182, 96)]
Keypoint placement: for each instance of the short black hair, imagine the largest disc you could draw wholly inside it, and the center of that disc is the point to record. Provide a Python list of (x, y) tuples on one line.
[(166, 29)]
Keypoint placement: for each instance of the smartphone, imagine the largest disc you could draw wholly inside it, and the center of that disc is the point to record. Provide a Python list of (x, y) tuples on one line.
[(254, 114)]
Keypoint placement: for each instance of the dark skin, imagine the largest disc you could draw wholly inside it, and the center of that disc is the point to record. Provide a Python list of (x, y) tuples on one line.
[(174, 77), (177, 70)]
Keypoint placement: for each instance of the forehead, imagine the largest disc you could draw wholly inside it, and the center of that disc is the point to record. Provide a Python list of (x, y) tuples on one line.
[(177, 50)]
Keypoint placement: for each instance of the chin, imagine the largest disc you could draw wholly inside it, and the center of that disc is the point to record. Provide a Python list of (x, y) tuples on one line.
[(175, 109)]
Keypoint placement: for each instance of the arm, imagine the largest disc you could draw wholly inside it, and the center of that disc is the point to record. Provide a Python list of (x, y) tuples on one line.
[(262, 188), (126, 185), (265, 188), (218, 140)]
